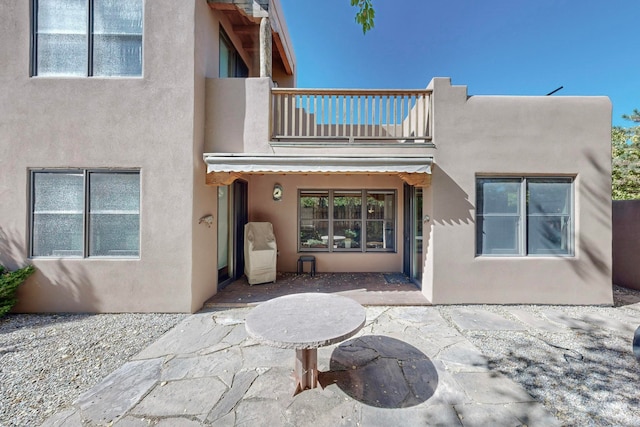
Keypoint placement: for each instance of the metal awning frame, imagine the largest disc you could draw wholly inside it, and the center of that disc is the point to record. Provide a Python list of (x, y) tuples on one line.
[(222, 169)]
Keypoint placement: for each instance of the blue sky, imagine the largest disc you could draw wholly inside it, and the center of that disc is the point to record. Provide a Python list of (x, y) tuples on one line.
[(495, 47)]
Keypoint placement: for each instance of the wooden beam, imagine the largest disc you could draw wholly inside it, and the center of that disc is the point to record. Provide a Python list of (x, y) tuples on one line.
[(222, 6), (225, 178), (416, 179), (246, 9), (283, 54), (245, 29), (249, 48), (219, 179)]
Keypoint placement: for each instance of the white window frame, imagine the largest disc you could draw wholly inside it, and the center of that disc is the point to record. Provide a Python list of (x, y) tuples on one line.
[(90, 33), (85, 212), (331, 245), (523, 216)]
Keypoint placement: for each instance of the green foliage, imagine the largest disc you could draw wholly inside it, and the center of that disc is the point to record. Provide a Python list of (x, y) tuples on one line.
[(365, 14), (625, 159), (350, 234), (315, 243), (9, 282), (634, 117)]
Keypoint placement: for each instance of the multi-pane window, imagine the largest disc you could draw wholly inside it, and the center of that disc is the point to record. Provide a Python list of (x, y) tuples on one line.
[(524, 216), (83, 213), (380, 220), (347, 220), (87, 37)]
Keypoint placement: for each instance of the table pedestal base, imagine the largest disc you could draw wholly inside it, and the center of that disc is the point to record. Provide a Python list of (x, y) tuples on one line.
[(306, 369)]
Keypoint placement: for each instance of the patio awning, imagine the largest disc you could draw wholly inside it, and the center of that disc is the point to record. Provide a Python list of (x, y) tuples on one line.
[(413, 169)]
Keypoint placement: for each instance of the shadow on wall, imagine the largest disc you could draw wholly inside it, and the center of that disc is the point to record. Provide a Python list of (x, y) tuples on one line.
[(455, 208), (626, 243), (596, 194), (11, 250), (54, 287)]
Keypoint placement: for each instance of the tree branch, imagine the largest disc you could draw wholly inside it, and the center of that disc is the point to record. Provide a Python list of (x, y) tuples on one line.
[(365, 14)]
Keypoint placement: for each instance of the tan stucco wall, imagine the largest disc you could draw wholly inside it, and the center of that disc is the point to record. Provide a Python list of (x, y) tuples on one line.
[(283, 215), (427, 243), (626, 243), (204, 198), (162, 122), (519, 136), (146, 123), (238, 115)]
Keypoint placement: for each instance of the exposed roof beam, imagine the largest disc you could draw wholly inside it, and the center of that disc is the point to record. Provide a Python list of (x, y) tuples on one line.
[(222, 6), (283, 53), (245, 29)]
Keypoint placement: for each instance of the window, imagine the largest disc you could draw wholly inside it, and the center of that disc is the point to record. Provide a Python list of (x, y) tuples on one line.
[(87, 38), (83, 213), (347, 220), (524, 216), (231, 64)]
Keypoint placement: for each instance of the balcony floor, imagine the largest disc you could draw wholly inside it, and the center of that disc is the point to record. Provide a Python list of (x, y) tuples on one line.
[(366, 288)]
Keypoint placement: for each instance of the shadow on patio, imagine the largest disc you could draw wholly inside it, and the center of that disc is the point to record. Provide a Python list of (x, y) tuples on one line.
[(366, 288), (382, 371)]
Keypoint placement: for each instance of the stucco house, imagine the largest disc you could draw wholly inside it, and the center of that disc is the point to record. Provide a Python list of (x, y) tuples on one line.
[(138, 137)]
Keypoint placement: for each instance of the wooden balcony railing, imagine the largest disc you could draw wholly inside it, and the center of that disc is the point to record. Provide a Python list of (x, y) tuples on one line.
[(351, 114)]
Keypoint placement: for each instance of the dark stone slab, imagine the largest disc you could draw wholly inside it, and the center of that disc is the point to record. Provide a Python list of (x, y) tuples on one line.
[(382, 371)]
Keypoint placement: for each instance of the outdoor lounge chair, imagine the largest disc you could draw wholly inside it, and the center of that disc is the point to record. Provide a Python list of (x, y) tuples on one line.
[(260, 252)]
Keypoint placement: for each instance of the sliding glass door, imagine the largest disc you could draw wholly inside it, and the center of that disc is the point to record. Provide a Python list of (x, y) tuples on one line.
[(232, 216), (413, 253)]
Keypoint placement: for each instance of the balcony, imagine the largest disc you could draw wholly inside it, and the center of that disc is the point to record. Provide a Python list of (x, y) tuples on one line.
[(302, 116), (252, 127), (251, 116)]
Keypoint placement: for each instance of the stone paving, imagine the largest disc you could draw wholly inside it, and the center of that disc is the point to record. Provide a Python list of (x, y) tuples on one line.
[(407, 366), (366, 288)]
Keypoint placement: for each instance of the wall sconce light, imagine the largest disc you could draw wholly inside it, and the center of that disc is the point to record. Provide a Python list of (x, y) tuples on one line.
[(277, 192), (207, 219), (426, 218)]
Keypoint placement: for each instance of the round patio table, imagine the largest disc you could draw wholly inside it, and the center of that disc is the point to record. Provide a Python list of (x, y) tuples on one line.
[(304, 322)]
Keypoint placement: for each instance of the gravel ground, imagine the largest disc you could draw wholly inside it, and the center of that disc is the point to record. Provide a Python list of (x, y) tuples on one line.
[(46, 361), (585, 377)]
